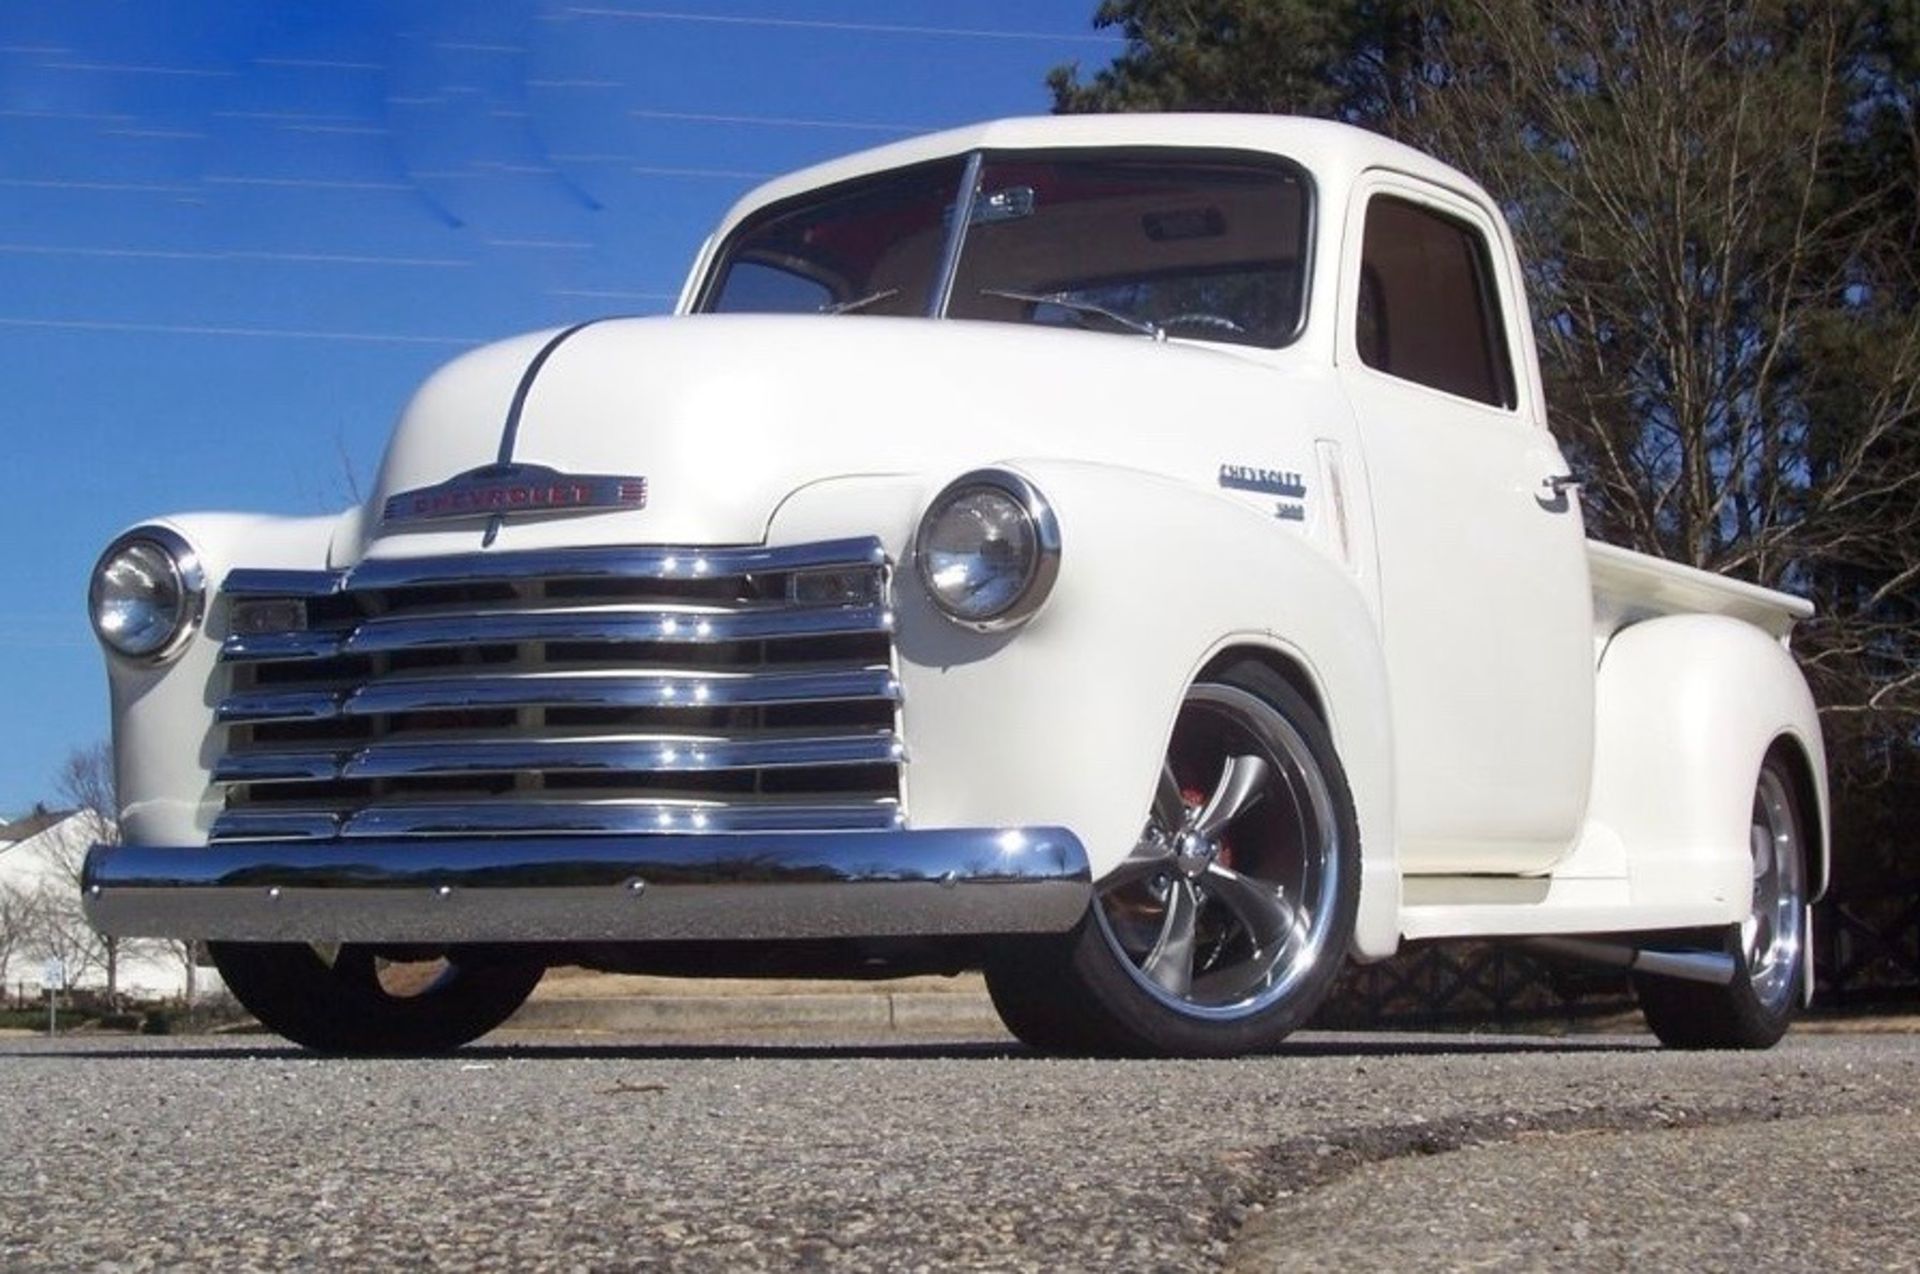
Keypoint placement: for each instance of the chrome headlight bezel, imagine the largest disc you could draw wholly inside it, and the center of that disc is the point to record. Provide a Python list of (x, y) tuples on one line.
[(1040, 570), (189, 583)]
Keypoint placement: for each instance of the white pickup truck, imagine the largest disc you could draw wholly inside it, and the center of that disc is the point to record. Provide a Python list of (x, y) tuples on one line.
[(1126, 555)]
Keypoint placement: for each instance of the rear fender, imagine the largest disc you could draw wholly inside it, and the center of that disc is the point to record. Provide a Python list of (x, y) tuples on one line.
[(1688, 706)]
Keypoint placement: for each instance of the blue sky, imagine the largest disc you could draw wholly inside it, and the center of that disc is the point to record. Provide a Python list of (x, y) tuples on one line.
[(233, 236)]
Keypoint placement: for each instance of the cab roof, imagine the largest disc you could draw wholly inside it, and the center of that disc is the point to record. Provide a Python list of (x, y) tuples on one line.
[(1334, 153)]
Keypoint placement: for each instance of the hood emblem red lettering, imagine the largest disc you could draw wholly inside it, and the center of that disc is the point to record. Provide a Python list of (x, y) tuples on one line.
[(509, 489)]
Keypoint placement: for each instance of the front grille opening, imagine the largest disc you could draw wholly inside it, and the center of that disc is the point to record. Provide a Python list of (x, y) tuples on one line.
[(876, 779), (722, 592), (444, 597), (341, 610), (869, 648), (330, 684), (326, 673), (476, 721), (650, 720), (468, 656), (346, 731), (874, 714), (587, 655)]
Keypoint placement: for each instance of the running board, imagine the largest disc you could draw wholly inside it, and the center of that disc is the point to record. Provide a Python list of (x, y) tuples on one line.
[(1714, 967)]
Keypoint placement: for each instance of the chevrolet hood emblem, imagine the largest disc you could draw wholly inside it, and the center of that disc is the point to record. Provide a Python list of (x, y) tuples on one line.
[(507, 489)]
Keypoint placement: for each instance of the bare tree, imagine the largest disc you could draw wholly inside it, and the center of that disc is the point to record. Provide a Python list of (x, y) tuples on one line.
[(1678, 178), (87, 785), (16, 925), (187, 952), (58, 930), (87, 782)]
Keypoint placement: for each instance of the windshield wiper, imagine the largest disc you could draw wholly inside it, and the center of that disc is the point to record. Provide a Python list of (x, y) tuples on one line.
[(860, 302), (1066, 301)]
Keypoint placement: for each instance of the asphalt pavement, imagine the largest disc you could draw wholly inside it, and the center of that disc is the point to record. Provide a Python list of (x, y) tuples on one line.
[(1344, 1152)]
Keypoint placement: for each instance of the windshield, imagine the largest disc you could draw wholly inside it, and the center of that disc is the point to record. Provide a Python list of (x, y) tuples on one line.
[(1202, 245)]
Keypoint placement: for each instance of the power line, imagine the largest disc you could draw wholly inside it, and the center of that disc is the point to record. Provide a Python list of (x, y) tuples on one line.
[(730, 174), (90, 117), (119, 187), (320, 64), (817, 24), (295, 117), (543, 245), (613, 294), (308, 183), (345, 130), (777, 121), (186, 329), (156, 134), (169, 254), (131, 68)]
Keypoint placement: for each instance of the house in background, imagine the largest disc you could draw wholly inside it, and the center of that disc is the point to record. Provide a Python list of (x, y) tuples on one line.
[(41, 918)]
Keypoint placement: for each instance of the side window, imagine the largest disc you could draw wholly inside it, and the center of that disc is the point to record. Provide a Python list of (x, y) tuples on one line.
[(1427, 309)]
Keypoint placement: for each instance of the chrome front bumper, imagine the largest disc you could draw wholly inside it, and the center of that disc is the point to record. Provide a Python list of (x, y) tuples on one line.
[(595, 888)]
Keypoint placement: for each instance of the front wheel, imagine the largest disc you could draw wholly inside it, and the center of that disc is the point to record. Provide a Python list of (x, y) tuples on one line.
[(1769, 947), (355, 999), (1225, 927)]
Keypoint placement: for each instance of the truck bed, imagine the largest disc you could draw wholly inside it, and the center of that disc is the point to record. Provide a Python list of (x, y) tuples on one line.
[(1629, 587)]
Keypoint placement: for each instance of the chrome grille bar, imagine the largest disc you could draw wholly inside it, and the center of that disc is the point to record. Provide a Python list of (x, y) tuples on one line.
[(294, 705), (570, 564), (684, 754), (555, 818), (248, 647), (638, 689), (275, 825), (608, 624)]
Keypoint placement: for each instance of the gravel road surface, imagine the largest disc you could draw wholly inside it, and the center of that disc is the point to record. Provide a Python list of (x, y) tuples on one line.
[(1375, 1152)]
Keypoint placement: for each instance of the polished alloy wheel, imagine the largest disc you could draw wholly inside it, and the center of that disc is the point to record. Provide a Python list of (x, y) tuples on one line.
[(389, 976), (1774, 935), (1769, 947), (1227, 903)]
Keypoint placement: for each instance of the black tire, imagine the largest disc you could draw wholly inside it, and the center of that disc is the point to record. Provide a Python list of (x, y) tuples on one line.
[(342, 1005), (1039, 1005), (1769, 949), (1219, 935)]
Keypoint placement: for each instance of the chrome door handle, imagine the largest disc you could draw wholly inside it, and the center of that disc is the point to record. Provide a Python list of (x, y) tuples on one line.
[(1559, 484)]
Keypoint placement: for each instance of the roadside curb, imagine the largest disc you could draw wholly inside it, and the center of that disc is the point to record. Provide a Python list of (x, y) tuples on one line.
[(903, 1011)]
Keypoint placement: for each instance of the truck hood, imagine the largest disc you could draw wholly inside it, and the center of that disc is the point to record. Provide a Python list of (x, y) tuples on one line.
[(724, 416)]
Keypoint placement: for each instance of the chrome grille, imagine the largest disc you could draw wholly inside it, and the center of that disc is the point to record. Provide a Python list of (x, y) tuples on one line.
[(588, 691)]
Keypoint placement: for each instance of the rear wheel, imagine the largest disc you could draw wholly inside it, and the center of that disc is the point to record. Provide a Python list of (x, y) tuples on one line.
[(354, 999), (1225, 927), (1769, 947)]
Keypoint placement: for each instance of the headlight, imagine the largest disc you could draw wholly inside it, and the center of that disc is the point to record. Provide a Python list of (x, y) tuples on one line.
[(146, 594), (988, 549)]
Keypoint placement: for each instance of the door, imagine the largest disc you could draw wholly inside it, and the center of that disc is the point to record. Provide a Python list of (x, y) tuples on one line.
[(1485, 604)]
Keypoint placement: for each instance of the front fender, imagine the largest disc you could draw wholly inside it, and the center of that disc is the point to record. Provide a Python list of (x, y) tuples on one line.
[(1065, 720), (164, 740)]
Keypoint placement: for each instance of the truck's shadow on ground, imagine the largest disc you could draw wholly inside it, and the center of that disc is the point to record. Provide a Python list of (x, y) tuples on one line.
[(1354, 1046)]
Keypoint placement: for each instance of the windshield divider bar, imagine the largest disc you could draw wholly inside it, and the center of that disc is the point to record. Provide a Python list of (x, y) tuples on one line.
[(956, 237)]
